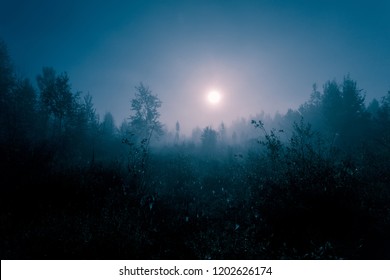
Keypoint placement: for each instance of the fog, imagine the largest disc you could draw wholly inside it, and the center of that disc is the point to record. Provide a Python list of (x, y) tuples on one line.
[(194, 130), (263, 55)]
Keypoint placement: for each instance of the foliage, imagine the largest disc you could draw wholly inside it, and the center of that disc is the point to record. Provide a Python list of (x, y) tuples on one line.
[(144, 120), (209, 139), (144, 124)]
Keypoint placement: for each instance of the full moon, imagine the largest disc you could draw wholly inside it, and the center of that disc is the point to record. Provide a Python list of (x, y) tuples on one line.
[(214, 97)]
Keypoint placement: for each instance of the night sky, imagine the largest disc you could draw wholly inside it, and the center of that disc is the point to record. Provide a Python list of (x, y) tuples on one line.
[(260, 55)]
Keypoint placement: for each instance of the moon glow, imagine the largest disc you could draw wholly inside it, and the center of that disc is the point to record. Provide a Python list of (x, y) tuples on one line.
[(214, 97)]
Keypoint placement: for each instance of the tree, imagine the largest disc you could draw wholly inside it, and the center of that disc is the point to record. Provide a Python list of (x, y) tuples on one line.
[(354, 122), (309, 110), (108, 125), (89, 110), (353, 100), (7, 82), (209, 139), (56, 97), (384, 110), (373, 108), (144, 121), (344, 112), (196, 135), (7, 79), (177, 132), (144, 124), (382, 135), (24, 109), (82, 126), (222, 133), (332, 108)]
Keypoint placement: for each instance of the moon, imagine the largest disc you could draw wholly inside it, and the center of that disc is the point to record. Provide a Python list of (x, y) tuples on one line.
[(214, 97)]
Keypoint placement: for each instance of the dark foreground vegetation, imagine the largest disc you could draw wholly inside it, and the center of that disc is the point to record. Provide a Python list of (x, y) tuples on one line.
[(311, 184)]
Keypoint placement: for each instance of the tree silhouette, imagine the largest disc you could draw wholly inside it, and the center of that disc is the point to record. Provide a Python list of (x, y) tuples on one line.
[(56, 97), (177, 132), (332, 108), (339, 110), (24, 110), (383, 123), (144, 124), (108, 125), (7, 82), (222, 133), (209, 139), (7, 79), (144, 120)]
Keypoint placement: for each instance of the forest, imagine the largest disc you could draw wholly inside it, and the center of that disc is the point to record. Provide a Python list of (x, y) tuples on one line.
[(313, 183)]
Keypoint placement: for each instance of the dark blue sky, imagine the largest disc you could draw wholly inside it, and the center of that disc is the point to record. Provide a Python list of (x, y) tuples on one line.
[(261, 55)]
